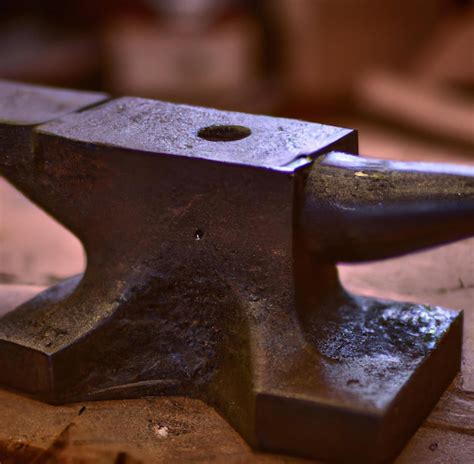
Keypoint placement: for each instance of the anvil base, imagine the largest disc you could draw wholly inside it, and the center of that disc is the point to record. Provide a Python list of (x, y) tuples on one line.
[(355, 388)]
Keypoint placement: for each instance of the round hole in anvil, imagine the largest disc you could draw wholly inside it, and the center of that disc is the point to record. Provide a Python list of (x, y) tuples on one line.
[(224, 133)]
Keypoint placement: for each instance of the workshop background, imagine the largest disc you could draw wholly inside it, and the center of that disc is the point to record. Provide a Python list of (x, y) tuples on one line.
[(400, 71)]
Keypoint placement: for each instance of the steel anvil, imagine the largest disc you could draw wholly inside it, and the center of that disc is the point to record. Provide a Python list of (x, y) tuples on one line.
[(212, 240)]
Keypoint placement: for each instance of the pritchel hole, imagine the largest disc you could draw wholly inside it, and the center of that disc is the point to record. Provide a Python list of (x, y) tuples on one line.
[(198, 234), (224, 133), (352, 382)]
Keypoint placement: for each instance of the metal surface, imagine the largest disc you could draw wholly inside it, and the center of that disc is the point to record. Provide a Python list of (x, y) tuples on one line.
[(211, 241)]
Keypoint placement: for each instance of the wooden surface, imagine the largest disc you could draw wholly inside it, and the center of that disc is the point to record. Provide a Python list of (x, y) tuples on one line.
[(36, 251)]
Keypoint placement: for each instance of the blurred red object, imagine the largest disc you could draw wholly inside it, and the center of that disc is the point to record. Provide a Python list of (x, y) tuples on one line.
[(329, 43)]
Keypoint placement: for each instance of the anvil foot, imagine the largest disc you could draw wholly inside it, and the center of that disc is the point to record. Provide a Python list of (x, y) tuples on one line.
[(378, 368), (139, 340)]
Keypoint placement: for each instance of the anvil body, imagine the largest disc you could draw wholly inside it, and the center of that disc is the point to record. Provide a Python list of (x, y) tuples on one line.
[(211, 272)]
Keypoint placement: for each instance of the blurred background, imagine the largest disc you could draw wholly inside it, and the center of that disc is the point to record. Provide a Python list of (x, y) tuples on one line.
[(400, 71)]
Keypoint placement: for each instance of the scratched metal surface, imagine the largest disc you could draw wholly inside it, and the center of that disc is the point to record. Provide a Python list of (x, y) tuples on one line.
[(164, 128)]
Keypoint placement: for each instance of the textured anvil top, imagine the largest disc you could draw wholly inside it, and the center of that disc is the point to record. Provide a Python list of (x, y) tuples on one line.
[(163, 128)]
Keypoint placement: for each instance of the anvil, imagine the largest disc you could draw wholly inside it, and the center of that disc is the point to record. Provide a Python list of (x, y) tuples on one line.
[(212, 240)]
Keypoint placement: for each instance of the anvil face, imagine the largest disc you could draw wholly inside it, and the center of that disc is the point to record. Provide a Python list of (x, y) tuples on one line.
[(152, 126), (212, 239)]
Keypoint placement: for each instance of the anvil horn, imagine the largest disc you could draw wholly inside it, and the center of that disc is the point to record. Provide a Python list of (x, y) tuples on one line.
[(361, 209)]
